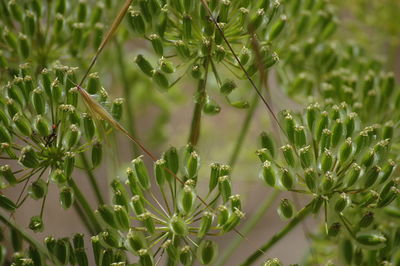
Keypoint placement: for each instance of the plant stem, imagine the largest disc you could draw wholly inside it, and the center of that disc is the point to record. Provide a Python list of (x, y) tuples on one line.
[(85, 206), (278, 236), (25, 235), (127, 95), (92, 179), (244, 130), (254, 219), (84, 219)]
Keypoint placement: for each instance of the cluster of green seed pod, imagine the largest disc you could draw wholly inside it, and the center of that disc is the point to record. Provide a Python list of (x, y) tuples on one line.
[(44, 133), (344, 167), (173, 219)]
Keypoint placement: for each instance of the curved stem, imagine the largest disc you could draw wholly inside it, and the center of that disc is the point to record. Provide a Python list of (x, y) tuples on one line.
[(254, 219), (244, 130), (303, 213)]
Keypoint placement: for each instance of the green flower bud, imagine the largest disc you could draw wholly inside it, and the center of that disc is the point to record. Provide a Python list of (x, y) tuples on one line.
[(233, 220), (122, 218), (5, 135), (371, 239), (310, 177), (137, 22), (277, 28), (366, 220), (289, 126), (107, 214), (6, 172), (22, 124), (66, 197), (29, 157), (7, 204), (207, 252), (144, 65), (342, 202), (160, 79), (227, 87), (38, 189), (24, 46), (36, 224), (141, 173), (287, 179), (182, 49), (205, 224), (42, 126), (178, 226), (225, 187), (72, 137), (352, 175), (286, 209), (326, 161), (58, 176), (187, 199), (334, 229), (223, 215), (185, 256), (288, 153), (371, 176)]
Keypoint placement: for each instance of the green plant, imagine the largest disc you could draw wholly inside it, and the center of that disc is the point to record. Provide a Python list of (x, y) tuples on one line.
[(59, 61)]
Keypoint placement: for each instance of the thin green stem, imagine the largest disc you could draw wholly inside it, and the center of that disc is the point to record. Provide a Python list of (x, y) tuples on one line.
[(254, 219), (244, 130), (127, 94), (301, 215), (84, 218), (85, 206), (92, 179)]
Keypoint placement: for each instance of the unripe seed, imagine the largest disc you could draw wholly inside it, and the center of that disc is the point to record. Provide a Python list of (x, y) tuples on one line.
[(29, 157), (227, 87), (107, 214), (141, 173), (310, 177), (225, 187), (42, 126), (277, 28), (22, 124), (342, 202), (345, 150), (116, 108), (5, 135), (337, 132), (233, 220), (144, 65), (36, 224), (193, 165), (267, 143), (352, 176), (137, 22), (223, 215), (97, 153), (66, 197), (205, 224), (268, 174), (185, 256), (187, 198), (182, 49), (6, 172), (7, 204), (58, 176), (288, 153), (366, 220), (286, 209), (72, 137), (207, 252), (306, 157), (287, 179), (178, 226), (121, 217), (371, 239), (38, 189), (289, 126), (326, 161), (334, 229), (136, 240), (371, 176), (273, 262), (160, 79)]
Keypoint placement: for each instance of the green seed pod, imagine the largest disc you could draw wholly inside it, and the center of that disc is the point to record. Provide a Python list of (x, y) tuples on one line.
[(263, 155), (273, 262), (6, 172), (326, 161), (205, 224), (289, 126), (306, 157), (244, 56), (42, 126), (288, 153), (286, 209), (346, 248), (69, 163), (36, 224), (166, 66), (223, 215), (369, 198), (317, 203), (389, 197), (227, 87), (342, 202), (233, 221), (225, 187), (159, 171), (207, 252), (81, 257), (352, 175), (58, 177), (22, 124), (310, 177), (366, 220), (361, 141), (97, 153), (137, 22), (7, 204), (46, 81), (256, 20), (236, 203), (182, 49), (322, 124), (187, 27), (350, 124), (328, 181), (196, 71), (185, 256), (148, 222), (186, 199), (116, 108), (144, 65), (89, 126), (137, 205), (107, 214), (122, 218), (371, 176), (4, 118), (160, 79), (337, 132), (24, 46), (5, 135), (387, 171), (110, 238), (72, 137), (325, 142), (29, 157), (214, 175), (193, 164), (345, 150), (30, 23), (141, 173), (136, 240), (371, 239), (220, 53), (34, 254), (211, 107), (277, 28), (268, 143), (268, 174), (66, 197), (93, 84), (157, 44), (78, 241), (334, 229), (96, 246), (12, 107), (287, 179), (82, 11), (178, 226), (50, 243), (388, 130), (38, 189)]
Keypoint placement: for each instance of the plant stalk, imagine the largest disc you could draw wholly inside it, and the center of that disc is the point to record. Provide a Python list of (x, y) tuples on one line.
[(253, 221), (92, 179), (300, 216)]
